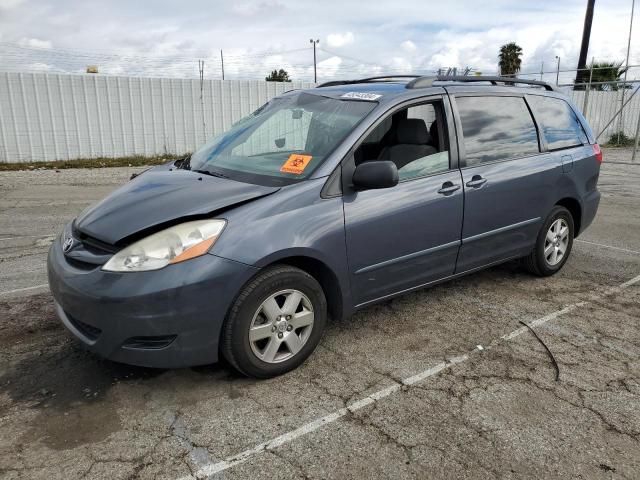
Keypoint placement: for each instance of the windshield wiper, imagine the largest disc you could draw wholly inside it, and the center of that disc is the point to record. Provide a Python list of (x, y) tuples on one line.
[(213, 173)]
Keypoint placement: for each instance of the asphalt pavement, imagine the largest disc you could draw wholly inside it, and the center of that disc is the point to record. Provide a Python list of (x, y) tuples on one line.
[(440, 383)]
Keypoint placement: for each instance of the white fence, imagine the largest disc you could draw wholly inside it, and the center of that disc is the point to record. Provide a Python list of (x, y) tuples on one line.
[(64, 117), (602, 106)]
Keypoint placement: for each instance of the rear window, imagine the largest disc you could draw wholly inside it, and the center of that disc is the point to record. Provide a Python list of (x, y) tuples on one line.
[(496, 128), (558, 122)]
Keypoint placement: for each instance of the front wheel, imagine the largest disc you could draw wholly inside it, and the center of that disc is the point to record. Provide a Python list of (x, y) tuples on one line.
[(553, 244), (275, 323)]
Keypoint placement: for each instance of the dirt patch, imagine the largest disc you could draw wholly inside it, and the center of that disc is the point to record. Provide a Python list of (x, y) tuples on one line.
[(134, 161), (27, 321), (43, 368)]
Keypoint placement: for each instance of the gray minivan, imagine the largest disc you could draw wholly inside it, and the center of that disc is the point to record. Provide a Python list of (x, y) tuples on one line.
[(320, 203)]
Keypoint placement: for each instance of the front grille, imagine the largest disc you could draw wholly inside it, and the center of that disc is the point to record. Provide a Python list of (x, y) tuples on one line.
[(88, 252), (149, 343), (93, 245), (89, 331)]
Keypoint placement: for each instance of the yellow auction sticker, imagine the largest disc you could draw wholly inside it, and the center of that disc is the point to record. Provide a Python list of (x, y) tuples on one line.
[(296, 163)]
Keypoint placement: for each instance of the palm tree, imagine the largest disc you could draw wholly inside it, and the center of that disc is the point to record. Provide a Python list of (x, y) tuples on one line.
[(510, 60), (606, 75)]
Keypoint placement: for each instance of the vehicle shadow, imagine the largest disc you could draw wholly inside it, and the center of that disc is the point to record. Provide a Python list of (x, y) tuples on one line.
[(58, 373)]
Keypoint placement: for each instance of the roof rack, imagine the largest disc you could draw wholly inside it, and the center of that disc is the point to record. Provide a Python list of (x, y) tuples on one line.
[(424, 82), (384, 78)]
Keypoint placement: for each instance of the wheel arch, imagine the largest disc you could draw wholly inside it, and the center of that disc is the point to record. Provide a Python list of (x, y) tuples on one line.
[(574, 207), (324, 275), (330, 270)]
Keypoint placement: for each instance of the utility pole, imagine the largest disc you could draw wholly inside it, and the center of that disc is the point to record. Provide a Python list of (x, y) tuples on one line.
[(204, 123), (315, 73), (626, 69), (222, 63), (584, 48), (558, 71)]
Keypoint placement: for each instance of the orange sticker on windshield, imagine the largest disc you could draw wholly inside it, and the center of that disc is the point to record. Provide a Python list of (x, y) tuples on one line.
[(296, 163)]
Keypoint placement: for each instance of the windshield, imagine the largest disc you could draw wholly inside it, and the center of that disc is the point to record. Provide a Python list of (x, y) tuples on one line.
[(283, 141)]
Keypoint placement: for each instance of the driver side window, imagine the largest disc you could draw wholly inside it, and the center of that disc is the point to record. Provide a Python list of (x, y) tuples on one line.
[(415, 139)]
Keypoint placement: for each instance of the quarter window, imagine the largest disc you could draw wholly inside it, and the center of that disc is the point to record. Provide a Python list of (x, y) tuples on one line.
[(558, 121), (496, 128)]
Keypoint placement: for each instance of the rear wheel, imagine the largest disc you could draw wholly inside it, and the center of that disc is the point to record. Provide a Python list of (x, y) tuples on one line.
[(553, 244), (275, 323)]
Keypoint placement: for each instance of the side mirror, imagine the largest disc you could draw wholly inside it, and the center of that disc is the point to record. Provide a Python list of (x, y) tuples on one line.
[(375, 174)]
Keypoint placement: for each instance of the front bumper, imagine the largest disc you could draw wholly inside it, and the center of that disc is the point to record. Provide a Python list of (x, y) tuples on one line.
[(165, 318)]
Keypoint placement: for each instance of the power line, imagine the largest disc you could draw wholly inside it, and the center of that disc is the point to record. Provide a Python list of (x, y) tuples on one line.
[(111, 54)]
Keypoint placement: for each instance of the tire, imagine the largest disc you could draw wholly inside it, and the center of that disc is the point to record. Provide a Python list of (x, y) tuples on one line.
[(537, 262), (254, 309)]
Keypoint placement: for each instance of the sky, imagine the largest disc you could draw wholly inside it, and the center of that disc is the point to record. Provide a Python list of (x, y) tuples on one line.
[(166, 38)]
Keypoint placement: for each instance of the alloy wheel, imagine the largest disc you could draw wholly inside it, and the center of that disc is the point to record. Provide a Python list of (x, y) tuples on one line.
[(556, 242), (281, 326)]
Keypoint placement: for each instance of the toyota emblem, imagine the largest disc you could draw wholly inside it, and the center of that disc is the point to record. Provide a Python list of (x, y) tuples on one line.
[(67, 245)]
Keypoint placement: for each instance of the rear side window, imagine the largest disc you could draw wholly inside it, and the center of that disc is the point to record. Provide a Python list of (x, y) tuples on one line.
[(558, 121), (496, 128)]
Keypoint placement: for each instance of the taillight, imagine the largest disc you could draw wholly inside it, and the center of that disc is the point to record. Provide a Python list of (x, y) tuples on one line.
[(597, 152)]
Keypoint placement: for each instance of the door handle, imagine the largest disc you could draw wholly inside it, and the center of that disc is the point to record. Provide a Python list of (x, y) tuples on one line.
[(448, 188), (476, 181)]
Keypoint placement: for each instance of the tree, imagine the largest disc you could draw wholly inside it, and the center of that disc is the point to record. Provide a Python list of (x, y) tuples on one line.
[(510, 60), (278, 76), (606, 76)]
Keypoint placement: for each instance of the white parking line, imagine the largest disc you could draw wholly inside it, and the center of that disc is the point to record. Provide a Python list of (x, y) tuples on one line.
[(26, 289), (27, 236), (213, 468), (608, 246)]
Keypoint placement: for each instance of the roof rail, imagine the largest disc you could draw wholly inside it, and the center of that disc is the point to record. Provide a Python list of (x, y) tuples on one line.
[(384, 78), (424, 82)]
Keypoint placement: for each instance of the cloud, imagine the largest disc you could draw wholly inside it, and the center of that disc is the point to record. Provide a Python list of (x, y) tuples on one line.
[(336, 40), (35, 43), (257, 8), (408, 46), (329, 67), (41, 67), (401, 65), (133, 38), (10, 4)]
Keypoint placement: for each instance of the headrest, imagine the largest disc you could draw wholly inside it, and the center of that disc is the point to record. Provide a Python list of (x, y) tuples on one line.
[(412, 131)]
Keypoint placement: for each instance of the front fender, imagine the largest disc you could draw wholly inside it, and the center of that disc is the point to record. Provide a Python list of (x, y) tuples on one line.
[(293, 222)]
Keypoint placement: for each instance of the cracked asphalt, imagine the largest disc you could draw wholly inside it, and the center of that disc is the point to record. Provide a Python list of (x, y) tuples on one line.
[(489, 412)]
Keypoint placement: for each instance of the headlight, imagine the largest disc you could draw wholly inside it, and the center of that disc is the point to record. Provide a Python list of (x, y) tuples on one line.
[(173, 245)]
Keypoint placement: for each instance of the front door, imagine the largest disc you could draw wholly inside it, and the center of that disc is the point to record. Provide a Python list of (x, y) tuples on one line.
[(405, 236)]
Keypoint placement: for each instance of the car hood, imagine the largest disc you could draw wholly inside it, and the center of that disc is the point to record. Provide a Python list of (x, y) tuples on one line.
[(160, 197)]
